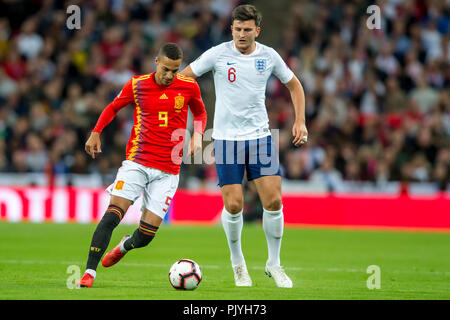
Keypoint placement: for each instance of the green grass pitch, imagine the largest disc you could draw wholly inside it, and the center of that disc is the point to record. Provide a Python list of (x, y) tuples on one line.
[(323, 264)]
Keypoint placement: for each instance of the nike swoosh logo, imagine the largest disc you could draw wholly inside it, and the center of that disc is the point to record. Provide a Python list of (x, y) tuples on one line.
[(230, 63)]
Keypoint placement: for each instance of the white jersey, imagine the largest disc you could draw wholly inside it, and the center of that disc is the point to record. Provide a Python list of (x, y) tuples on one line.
[(240, 84)]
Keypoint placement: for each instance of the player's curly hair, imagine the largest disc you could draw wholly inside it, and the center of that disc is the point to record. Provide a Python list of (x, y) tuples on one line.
[(171, 50), (247, 12)]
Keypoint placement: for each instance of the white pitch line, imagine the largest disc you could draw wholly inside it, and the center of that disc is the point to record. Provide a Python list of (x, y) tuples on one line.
[(156, 265)]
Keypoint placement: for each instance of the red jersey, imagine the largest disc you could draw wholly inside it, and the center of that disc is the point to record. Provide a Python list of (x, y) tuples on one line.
[(160, 117)]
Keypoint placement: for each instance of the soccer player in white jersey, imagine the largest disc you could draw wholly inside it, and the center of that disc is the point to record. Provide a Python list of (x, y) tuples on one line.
[(242, 139)]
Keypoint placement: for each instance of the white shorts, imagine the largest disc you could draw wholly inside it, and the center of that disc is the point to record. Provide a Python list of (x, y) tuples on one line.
[(158, 186)]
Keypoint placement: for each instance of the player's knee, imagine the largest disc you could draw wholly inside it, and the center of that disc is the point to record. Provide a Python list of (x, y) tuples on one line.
[(232, 198), (273, 204), (234, 206)]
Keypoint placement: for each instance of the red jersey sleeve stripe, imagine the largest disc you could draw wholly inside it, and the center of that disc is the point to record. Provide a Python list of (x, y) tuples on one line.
[(138, 125)]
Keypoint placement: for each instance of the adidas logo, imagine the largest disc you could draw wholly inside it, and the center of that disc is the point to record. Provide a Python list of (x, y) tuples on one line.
[(163, 96)]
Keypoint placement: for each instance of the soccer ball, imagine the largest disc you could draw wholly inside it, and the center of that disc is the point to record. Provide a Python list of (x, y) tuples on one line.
[(185, 274)]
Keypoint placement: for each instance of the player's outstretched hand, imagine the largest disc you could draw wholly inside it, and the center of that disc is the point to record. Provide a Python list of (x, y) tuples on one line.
[(196, 144), (93, 144), (300, 134)]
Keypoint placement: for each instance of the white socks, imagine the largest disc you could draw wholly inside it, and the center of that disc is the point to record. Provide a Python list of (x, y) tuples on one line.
[(232, 225), (91, 272), (273, 225)]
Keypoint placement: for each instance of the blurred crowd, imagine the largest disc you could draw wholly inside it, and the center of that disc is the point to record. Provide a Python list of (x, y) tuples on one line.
[(377, 100)]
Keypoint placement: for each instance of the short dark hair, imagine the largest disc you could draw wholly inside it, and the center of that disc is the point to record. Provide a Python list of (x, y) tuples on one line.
[(247, 12), (171, 50)]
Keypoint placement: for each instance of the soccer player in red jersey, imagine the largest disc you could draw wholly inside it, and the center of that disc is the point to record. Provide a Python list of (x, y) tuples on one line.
[(153, 157)]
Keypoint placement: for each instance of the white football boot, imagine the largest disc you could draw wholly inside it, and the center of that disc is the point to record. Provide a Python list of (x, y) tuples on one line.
[(280, 277), (241, 276)]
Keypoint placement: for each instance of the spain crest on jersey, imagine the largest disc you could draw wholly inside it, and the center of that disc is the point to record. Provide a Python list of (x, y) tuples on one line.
[(260, 65), (179, 103)]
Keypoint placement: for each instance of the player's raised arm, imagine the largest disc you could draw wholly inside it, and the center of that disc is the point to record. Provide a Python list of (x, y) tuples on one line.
[(124, 98), (299, 131)]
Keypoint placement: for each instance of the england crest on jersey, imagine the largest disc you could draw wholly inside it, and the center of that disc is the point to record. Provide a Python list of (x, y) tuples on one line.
[(260, 65)]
